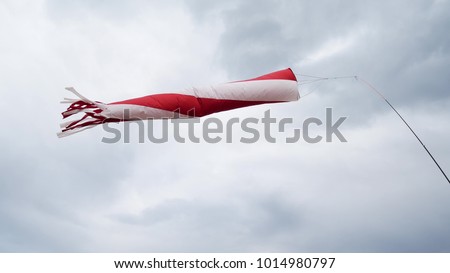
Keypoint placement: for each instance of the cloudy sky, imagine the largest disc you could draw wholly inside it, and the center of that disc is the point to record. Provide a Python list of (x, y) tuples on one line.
[(378, 192)]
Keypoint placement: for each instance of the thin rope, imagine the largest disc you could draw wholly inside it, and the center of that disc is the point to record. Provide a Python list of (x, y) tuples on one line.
[(327, 78), (309, 93), (372, 88), (320, 80), (406, 123)]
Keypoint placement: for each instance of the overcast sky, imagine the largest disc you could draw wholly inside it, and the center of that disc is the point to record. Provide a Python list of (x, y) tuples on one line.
[(378, 192)]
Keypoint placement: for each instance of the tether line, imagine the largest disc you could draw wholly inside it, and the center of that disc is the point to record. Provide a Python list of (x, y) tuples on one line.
[(371, 87)]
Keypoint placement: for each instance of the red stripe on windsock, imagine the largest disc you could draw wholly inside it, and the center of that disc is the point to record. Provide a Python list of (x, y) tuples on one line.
[(285, 74), (189, 105)]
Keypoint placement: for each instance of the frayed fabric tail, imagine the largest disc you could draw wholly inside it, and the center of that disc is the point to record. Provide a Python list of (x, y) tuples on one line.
[(92, 114)]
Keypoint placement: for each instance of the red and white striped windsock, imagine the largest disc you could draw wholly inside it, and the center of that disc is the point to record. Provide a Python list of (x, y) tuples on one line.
[(279, 86)]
